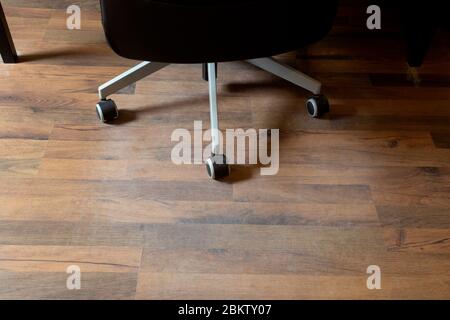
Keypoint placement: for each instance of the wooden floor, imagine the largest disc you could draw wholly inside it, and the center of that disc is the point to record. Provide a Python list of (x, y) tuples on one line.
[(368, 185)]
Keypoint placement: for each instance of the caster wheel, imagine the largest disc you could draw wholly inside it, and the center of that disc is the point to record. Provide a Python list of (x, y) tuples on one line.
[(107, 110), (317, 106), (217, 167)]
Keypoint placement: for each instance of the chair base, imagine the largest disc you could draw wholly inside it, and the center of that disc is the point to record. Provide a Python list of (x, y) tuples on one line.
[(316, 106)]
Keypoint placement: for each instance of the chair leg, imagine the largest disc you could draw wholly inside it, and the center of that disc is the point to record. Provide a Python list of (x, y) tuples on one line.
[(213, 108), (288, 73), (107, 110), (317, 105), (216, 166), (129, 77)]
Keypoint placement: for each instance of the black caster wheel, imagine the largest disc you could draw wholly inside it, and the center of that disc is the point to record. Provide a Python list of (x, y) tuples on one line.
[(217, 167), (107, 111), (317, 106)]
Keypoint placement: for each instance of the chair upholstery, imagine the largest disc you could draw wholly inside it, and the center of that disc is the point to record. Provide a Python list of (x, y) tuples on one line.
[(200, 31)]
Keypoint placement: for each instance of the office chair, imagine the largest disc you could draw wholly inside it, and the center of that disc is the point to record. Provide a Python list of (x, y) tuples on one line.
[(208, 32)]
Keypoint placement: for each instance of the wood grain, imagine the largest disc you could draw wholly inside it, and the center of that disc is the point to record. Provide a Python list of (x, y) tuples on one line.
[(367, 185)]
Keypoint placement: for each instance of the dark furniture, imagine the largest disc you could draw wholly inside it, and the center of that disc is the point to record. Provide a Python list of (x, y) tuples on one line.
[(7, 49), (207, 32), (420, 23)]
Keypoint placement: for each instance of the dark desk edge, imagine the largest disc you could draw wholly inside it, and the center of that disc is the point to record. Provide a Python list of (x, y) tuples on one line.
[(7, 49)]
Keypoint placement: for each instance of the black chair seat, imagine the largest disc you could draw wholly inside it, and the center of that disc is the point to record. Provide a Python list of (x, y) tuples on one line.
[(199, 31)]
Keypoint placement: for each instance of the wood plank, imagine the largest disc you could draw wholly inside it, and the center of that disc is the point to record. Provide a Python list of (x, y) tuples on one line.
[(103, 210), (33, 259), (336, 241), (121, 189), (70, 233), (243, 286), (418, 240), (52, 286), (223, 261), (414, 217), (294, 191), (83, 169)]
